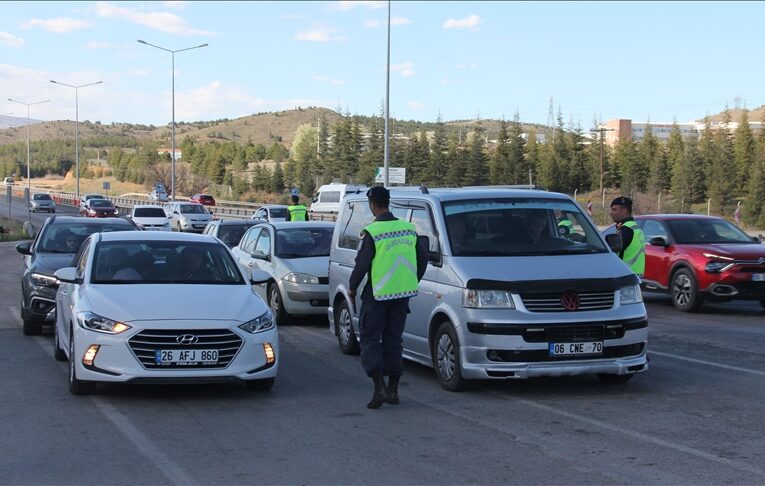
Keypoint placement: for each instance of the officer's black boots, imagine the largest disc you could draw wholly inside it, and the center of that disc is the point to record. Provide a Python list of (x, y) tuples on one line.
[(391, 393), (379, 396)]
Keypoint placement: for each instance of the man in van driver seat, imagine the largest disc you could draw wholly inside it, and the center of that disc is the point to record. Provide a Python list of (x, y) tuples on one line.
[(395, 262)]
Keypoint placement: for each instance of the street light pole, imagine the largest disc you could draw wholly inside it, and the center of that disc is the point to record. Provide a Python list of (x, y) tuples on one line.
[(172, 156), (602, 132), (77, 126), (603, 191), (29, 183), (386, 158)]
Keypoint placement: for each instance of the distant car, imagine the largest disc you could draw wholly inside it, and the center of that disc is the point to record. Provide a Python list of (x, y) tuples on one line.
[(9, 181), (203, 199), (229, 231), (158, 195), (296, 256), (273, 213), (187, 216), (136, 307), (697, 258), (42, 202), (56, 243), (99, 208), (150, 218), (87, 197)]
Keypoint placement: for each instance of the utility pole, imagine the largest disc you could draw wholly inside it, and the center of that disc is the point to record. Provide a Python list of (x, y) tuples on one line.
[(602, 131)]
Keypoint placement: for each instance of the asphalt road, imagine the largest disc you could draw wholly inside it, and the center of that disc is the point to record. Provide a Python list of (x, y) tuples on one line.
[(20, 212), (696, 417)]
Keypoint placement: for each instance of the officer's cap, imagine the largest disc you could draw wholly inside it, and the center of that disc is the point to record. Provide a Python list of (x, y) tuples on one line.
[(622, 201), (379, 195)]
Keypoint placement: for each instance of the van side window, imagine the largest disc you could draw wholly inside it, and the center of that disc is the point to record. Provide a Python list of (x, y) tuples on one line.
[(423, 224), (360, 216)]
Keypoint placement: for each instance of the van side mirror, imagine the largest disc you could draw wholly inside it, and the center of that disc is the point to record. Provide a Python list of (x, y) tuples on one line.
[(615, 242), (433, 256), (658, 241)]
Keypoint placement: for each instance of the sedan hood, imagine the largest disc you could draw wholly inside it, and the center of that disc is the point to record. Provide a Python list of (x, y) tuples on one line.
[(745, 251), (316, 266), (47, 263), (142, 302)]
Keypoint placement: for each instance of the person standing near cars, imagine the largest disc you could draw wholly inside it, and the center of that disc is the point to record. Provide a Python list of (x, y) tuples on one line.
[(296, 211), (633, 239), (395, 262)]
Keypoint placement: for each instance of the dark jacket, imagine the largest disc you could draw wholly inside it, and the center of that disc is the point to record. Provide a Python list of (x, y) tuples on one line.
[(626, 233), (367, 252)]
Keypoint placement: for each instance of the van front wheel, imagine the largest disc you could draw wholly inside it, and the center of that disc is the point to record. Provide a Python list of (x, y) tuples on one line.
[(346, 337), (446, 358)]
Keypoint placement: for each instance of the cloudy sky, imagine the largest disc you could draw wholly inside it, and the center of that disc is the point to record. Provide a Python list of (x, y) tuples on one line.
[(657, 60)]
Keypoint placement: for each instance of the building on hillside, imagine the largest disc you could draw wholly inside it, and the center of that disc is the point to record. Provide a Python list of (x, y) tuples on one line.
[(626, 129), (163, 151)]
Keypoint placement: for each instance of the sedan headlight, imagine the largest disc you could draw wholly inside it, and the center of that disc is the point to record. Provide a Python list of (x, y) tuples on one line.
[(301, 278), (41, 280), (487, 299), (259, 324), (94, 322), (630, 295)]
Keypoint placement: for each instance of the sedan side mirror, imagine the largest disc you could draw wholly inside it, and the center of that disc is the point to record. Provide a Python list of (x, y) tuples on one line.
[(68, 275), (259, 277), (259, 255), (615, 242), (658, 241), (25, 247), (757, 239)]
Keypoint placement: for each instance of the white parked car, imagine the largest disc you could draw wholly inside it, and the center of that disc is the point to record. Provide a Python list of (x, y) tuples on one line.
[(185, 216), (296, 256), (157, 306), (273, 213), (150, 218)]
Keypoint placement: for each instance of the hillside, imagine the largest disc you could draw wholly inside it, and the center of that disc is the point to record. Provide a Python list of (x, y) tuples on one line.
[(755, 115)]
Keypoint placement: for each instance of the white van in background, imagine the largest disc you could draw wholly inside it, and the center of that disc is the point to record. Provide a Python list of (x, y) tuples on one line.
[(329, 196)]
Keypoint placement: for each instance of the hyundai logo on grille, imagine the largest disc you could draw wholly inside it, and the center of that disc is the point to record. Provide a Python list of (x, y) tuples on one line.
[(186, 339), (570, 300)]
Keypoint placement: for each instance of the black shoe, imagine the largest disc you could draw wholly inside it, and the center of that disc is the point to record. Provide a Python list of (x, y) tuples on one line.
[(391, 392), (379, 395)]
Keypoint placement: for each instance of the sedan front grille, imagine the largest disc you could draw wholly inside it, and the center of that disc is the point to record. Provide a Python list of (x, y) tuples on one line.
[(551, 302), (145, 344)]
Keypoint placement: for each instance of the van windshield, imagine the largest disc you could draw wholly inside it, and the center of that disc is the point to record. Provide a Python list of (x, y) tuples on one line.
[(519, 227)]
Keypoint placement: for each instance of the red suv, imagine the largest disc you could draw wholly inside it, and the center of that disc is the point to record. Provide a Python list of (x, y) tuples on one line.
[(203, 199), (697, 258)]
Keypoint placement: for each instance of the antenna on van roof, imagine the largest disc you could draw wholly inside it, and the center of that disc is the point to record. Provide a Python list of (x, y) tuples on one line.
[(424, 189)]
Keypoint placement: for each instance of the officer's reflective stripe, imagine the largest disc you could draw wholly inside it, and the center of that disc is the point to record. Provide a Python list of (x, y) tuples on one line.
[(400, 261), (631, 261), (399, 295), (393, 234)]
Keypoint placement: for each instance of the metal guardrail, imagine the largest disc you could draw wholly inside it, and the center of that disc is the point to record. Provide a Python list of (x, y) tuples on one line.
[(124, 204)]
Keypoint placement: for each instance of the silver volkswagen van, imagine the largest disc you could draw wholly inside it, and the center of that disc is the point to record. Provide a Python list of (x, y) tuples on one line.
[(519, 284)]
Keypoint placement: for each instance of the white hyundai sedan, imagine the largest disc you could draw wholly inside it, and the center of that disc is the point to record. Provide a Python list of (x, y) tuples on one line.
[(162, 307)]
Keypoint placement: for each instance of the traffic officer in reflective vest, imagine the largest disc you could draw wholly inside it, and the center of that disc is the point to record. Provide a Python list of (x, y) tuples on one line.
[(395, 262), (296, 211), (633, 240)]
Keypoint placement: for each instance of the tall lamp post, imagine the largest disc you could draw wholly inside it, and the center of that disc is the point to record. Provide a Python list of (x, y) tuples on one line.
[(603, 191), (29, 183), (602, 132), (77, 126), (172, 157)]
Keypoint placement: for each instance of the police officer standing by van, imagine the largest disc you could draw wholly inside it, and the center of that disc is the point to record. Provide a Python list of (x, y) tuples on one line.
[(633, 240), (296, 211), (395, 262)]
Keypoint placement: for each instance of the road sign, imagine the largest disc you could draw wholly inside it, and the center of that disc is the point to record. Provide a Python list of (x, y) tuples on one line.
[(295, 191), (396, 175), (9, 193), (107, 185)]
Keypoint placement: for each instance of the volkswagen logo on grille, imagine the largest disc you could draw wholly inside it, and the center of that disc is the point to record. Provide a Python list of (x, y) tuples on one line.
[(186, 339), (570, 300)]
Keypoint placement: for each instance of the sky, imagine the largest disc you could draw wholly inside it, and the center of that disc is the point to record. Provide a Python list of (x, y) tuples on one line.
[(660, 61)]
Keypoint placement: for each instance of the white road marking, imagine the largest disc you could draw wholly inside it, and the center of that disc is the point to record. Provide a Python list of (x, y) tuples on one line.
[(605, 425), (708, 363), (143, 444)]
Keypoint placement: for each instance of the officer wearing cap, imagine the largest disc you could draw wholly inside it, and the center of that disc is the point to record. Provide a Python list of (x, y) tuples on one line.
[(296, 211), (395, 263), (633, 240)]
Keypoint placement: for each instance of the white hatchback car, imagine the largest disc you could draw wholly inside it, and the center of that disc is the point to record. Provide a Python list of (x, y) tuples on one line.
[(296, 256), (161, 307), (150, 218)]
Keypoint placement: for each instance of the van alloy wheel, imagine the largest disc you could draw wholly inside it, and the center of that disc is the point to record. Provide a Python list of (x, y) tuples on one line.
[(346, 338), (445, 357)]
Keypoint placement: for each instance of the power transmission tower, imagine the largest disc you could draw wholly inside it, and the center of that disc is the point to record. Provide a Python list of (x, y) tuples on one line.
[(550, 135)]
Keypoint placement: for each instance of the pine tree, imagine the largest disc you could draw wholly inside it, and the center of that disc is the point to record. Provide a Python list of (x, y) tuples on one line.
[(654, 161), (455, 158), (518, 165), (499, 165), (476, 169), (531, 156), (681, 170), (277, 178), (744, 148), (373, 155), (435, 172), (722, 171), (578, 175), (628, 167)]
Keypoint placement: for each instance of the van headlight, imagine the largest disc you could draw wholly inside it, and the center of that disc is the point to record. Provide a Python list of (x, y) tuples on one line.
[(94, 322), (259, 324), (301, 278), (487, 299), (630, 295)]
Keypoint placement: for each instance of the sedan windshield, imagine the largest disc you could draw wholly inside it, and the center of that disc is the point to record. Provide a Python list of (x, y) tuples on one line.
[(303, 242), (41, 197), (164, 262), (278, 212), (101, 203), (192, 209), (704, 231), (519, 227), (67, 237), (149, 213)]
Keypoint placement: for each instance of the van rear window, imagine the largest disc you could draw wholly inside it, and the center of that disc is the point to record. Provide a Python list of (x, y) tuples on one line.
[(329, 197)]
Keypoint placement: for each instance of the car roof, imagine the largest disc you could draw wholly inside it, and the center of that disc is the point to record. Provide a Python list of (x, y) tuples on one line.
[(143, 206), (271, 206), (458, 194), (187, 203), (235, 222), (88, 221), (157, 236), (280, 225), (673, 217)]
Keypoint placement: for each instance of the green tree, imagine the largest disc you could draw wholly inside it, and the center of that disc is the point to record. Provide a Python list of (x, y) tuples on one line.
[(277, 178), (476, 167), (652, 156), (722, 170), (435, 172), (500, 165), (519, 165), (455, 159), (681, 169), (628, 167), (304, 153), (744, 149)]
